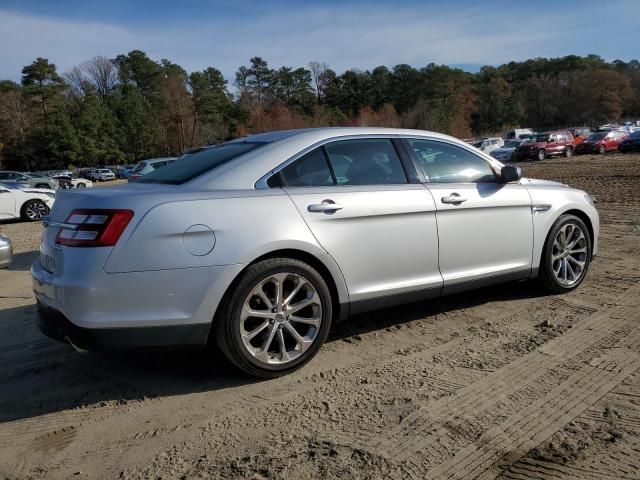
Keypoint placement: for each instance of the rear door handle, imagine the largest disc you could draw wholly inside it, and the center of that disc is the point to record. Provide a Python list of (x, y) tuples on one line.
[(454, 199), (326, 206)]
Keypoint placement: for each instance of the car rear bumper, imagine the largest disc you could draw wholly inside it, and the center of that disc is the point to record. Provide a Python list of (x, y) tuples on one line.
[(55, 325), (98, 310)]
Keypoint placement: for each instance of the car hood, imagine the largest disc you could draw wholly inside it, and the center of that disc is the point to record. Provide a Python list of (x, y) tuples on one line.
[(535, 181), (38, 190)]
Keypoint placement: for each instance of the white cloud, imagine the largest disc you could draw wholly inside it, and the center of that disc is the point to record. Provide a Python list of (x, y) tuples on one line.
[(343, 36)]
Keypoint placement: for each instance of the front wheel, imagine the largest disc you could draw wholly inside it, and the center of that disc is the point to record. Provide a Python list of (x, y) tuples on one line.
[(81, 185), (34, 210), (275, 319), (602, 149), (542, 154), (566, 255)]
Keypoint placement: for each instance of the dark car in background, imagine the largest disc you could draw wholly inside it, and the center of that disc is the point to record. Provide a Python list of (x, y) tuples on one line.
[(543, 145), (631, 143), (602, 142)]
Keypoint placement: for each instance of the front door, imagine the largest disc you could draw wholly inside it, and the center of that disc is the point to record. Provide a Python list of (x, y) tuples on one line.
[(485, 227), (380, 229)]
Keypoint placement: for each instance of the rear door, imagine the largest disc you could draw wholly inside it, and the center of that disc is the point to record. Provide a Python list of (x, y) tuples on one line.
[(554, 145), (379, 227), (485, 227)]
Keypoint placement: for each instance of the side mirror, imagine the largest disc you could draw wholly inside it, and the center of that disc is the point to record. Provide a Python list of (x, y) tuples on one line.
[(509, 173)]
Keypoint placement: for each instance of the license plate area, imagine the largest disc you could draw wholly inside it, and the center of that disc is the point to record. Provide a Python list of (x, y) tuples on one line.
[(49, 252)]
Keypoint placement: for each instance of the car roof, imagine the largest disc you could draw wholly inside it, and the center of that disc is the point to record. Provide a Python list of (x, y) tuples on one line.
[(279, 146)]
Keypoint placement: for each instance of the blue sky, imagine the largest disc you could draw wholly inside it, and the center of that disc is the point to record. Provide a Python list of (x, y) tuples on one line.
[(344, 34)]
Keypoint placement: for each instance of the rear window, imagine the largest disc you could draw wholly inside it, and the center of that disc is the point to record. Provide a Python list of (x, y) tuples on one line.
[(139, 166), (193, 165)]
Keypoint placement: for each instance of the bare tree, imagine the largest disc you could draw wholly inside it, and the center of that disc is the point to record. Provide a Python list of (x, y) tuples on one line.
[(102, 72), (78, 82), (318, 72)]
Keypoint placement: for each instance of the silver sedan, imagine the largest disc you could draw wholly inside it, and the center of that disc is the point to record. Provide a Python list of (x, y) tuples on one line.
[(262, 243)]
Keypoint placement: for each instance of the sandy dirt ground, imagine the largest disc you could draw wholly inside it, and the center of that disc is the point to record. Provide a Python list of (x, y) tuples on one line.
[(504, 382)]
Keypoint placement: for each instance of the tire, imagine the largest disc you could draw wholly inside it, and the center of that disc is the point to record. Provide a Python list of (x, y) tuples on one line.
[(568, 152), (42, 185), (554, 274), (602, 150), (283, 353), (541, 155), (34, 211), (81, 185)]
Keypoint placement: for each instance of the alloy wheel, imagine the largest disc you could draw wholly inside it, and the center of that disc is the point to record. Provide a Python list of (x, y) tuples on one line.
[(280, 319), (569, 254), (36, 211)]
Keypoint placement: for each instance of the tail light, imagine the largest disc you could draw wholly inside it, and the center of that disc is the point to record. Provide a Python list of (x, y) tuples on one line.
[(93, 227)]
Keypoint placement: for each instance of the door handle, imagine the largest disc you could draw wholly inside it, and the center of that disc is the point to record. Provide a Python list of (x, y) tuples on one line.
[(454, 199), (327, 206)]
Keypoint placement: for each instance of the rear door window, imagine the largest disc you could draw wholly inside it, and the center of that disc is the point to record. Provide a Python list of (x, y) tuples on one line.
[(311, 170), (370, 161)]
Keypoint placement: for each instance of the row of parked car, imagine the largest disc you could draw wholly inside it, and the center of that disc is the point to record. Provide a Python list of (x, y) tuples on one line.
[(524, 144)]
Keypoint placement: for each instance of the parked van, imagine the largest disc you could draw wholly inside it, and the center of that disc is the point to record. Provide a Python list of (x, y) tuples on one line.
[(515, 133)]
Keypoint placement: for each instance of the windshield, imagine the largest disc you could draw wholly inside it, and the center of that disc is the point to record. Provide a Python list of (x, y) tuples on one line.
[(540, 137), (597, 136), (193, 165)]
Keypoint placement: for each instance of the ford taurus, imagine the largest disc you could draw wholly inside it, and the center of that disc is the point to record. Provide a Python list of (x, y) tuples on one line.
[(262, 243)]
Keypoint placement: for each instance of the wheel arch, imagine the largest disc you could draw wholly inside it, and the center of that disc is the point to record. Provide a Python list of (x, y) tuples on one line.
[(585, 218), (330, 273)]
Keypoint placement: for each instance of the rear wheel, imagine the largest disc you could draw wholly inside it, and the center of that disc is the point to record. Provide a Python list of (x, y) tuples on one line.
[(566, 255), (568, 152), (542, 154), (34, 210), (602, 149), (275, 319)]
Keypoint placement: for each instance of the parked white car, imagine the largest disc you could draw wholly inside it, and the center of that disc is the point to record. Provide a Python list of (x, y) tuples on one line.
[(487, 145), (30, 204), (100, 175)]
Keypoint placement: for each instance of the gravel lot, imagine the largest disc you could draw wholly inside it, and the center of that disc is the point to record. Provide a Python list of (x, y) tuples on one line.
[(502, 382)]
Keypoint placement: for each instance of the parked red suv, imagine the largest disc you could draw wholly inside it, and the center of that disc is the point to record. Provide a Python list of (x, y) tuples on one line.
[(543, 145), (602, 142)]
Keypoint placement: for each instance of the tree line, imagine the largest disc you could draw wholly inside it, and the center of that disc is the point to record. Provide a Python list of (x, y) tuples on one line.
[(123, 109)]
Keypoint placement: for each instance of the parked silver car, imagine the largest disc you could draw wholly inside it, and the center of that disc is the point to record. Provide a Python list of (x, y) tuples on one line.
[(35, 180), (6, 252), (262, 243)]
